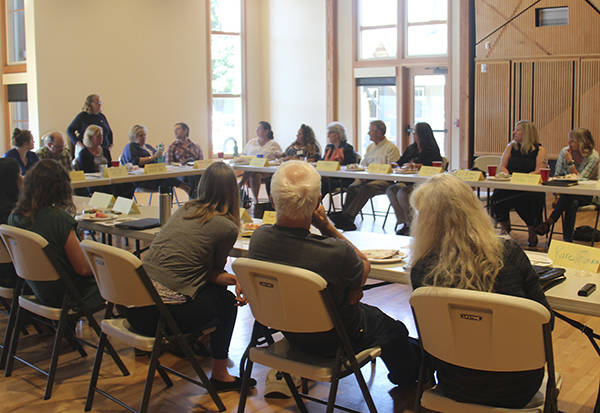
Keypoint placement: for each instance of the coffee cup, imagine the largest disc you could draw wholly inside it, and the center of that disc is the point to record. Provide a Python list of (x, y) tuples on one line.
[(545, 173), (492, 170), (436, 163)]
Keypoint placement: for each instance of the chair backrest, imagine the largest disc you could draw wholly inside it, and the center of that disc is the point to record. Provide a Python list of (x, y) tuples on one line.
[(445, 163), (283, 297), (483, 161), (4, 255), (26, 250), (480, 330), (116, 273)]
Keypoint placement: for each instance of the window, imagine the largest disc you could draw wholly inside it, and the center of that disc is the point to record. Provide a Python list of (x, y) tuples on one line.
[(15, 31), (378, 27), (426, 27), (376, 101), (17, 107), (552, 16), (226, 74)]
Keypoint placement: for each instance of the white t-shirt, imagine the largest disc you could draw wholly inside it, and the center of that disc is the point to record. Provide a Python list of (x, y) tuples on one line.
[(383, 152), (268, 150)]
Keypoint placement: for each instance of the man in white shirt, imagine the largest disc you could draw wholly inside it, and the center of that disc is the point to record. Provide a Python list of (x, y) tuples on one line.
[(380, 151)]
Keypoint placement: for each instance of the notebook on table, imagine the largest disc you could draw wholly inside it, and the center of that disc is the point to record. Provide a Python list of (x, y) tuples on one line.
[(144, 223), (561, 182)]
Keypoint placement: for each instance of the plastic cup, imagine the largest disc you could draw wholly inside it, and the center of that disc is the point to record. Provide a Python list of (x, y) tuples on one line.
[(545, 173), (114, 164), (436, 163), (220, 155), (492, 170)]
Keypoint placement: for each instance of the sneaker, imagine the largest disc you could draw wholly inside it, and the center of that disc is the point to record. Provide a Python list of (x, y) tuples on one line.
[(276, 387)]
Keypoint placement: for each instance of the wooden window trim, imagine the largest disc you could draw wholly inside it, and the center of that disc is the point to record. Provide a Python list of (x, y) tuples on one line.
[(219, 33), (384, 26), (427, 23)]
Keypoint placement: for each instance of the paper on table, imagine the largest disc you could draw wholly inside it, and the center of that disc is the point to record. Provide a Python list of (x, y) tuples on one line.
[(567, 254)]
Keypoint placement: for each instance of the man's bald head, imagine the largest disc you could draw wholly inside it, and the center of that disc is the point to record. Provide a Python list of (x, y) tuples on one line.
[(295, 190)]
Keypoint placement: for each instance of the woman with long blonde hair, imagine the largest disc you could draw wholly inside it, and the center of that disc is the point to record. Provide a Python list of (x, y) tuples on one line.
[(524, 154), (455, 246), (186, 264)]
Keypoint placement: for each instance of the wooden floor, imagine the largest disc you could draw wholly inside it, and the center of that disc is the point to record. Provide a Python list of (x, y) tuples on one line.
[(575, 358)]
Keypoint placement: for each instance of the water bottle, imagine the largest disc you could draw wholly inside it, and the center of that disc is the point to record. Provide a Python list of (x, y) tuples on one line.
[(235, 149), (164, 205), (161, 158)]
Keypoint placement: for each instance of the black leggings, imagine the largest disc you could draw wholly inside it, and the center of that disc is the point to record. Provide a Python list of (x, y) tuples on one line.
[(213, 302)]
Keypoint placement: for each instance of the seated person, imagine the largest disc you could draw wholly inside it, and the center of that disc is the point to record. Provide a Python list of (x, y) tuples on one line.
[(296, 195), (45, 206), (523, 154), (138, 152), (22, 142), (263, 145), (183, 150), (380, 151), (423, 151), (93, 156), (455, 245), (579, 158), (338, 149), (186, 265), (54, 148), (304, 147), (10, 180)]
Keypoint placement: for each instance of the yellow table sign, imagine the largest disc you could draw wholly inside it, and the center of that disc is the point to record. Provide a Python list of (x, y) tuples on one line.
[(380, 168), (567, 254), (155, 168), (245, 216), (204, 163), (260, 162), (328, 166), (430, 170), (525, 179), (126, 206), (100, 200), (469, 176), (269, 217), (77, 176), (115, 172)]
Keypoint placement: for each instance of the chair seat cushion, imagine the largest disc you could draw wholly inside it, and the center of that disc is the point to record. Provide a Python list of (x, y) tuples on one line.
[(31, 304), (434, 400), (281, 356), (120, 329), (6, 293)]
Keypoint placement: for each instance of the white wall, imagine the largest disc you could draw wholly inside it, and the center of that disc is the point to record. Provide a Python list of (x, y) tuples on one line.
[(294, 67), (146, 58)]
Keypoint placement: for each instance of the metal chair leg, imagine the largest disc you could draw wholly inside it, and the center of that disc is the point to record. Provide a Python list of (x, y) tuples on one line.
[(60, 332), (95, 373)]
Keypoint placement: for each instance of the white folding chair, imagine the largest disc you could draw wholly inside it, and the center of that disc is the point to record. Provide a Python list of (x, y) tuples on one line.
[(122, 280), (292, 299), (484, 331), (30, 257)]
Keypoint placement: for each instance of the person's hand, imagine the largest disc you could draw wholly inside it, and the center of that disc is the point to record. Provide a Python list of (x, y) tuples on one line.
[(240, 298), (355, 295), (568, 156), (319, 218)]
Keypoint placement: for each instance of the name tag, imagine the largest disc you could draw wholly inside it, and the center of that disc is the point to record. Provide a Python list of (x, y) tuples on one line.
[(430, 170), (126, 206), (525, 179), (245, 216), (115, 172), (204, 163), (469, 176), (77, 176), (380, 168), (328, 166), (567, 254), (260, 162), (100, 200), (155, 168), (269, 217)]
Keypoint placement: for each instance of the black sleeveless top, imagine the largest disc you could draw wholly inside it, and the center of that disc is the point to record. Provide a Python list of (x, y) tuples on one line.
[(520, 162)]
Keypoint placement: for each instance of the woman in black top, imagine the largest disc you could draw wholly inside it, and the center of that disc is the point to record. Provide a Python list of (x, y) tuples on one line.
[(455, 245), (423, 151), (338, 149), (91, 114), (523, 154), (10, 180)]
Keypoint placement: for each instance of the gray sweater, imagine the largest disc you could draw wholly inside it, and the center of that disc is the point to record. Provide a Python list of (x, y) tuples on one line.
[(186, 252)]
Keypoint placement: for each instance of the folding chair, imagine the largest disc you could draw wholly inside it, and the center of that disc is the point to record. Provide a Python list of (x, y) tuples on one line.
[(478, 330), (122, 280), (292, 299), (6, 295), (32, 261)]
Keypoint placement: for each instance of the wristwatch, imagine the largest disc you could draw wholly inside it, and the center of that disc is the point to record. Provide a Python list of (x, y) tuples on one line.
[(571, 163)]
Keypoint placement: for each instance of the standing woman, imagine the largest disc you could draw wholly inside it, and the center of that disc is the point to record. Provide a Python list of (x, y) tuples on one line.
[(263, 145), (581, 159), (523, 154), (22, 141), (338, 149), (455, 246), (91, 114), (423, 151), (186, 264), (46, 207)]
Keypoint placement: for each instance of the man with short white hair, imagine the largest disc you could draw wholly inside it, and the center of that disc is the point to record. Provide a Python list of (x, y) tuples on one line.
[(296, 197), (54, 148)]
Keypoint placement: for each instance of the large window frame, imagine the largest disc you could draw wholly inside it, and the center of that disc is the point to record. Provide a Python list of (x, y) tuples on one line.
[(401, 64), (212, 96)]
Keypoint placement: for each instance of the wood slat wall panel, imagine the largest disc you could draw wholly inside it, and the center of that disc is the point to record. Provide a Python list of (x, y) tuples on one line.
[(524, 91), (590, 97), (553, 103), (492, 110)]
